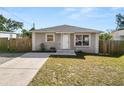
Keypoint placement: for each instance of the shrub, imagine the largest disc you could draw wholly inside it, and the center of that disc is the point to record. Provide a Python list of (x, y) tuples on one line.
[(42, 47), (79, 52)]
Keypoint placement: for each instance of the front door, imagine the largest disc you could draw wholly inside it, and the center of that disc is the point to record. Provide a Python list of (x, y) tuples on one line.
[(65, 41)]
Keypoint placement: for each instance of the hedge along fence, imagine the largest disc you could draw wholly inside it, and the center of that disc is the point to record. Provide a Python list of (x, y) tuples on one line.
[(111, 47), (16, 45)]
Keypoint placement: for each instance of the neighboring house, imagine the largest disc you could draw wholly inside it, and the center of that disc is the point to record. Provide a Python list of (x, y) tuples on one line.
[(118, 35), (66, 37), (7, 35)]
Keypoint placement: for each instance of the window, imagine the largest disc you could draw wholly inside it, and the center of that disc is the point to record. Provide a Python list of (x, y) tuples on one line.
[(78, 40), (50, 38), (85, 40), (82, 40)]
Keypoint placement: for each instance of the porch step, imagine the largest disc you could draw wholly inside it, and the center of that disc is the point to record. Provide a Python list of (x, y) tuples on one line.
[(65, 52)]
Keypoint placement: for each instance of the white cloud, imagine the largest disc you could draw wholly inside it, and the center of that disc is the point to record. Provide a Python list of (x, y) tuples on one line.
[(78, 13)]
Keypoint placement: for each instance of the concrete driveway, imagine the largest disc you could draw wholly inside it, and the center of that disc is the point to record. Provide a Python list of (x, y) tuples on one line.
[(20, 71)]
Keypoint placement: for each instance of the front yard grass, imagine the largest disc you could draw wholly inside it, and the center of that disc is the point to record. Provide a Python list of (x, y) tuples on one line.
[(81, 70)]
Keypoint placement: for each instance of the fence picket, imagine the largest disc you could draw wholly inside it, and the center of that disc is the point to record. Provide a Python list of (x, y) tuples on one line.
[(111, 47), (18, 44)]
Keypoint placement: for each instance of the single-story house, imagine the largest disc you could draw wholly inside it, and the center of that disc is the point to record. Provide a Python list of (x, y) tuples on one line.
[(8, 35), (65, 37), (118, 35)]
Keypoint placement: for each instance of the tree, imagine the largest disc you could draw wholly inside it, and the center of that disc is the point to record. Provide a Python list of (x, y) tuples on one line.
[(9, 24), (33, 28), (105, 36), (12, 25), (120, 21), (26, 33), (2, 23)]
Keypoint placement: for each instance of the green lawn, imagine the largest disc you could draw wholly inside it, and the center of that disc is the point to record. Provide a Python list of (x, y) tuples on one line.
[(81, 70)]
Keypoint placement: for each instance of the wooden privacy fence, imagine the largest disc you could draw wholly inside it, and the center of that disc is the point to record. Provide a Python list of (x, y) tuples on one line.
[(3, 44), (18, 44), (111, 47)]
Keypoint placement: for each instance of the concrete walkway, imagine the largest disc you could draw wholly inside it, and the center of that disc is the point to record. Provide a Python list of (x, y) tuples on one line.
[(21, 70)]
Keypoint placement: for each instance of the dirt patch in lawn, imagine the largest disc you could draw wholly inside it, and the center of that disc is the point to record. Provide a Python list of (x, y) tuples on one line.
[(8, 56), (78, 71)]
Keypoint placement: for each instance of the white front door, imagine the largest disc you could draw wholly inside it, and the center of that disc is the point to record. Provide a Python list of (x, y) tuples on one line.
[(65, 42)]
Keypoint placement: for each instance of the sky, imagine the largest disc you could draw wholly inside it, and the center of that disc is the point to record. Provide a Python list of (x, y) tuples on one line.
[(88, 17)]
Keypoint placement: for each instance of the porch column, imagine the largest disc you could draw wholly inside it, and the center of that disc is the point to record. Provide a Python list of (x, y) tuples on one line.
[(33, 41), (97, 43)]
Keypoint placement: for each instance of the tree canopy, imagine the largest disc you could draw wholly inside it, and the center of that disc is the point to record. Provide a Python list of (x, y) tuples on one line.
[(105, 36), (9, 24), (26, 33), (33, 28), (120, 21)]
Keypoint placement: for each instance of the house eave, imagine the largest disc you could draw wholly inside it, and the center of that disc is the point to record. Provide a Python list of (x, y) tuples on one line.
[(63, 32)]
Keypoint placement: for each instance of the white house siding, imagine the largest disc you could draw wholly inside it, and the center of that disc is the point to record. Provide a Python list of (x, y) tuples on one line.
[(118, 35), (38, 38), (7, 35)]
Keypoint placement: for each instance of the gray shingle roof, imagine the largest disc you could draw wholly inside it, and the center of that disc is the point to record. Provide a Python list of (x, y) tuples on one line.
[(7, 32), (67, 28)]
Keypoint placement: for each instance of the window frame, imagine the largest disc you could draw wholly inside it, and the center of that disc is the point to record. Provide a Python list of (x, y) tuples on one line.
[(82, 40), (47, 36), (78, 40)]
